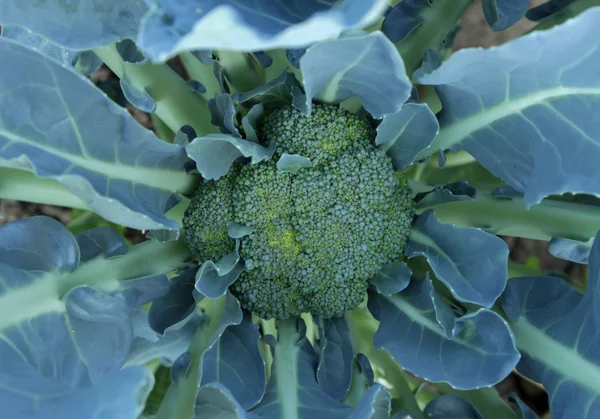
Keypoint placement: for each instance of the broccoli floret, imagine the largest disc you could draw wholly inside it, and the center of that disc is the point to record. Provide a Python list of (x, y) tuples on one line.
[(205, 219), (319, 235)]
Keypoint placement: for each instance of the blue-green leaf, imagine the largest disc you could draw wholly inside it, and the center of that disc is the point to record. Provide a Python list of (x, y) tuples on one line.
[(272, 95), (451, 192), (502, 14), (392, 278), (539, 116), (343, 68), (40, 44), (557, 333), (101, 241), (215, 401), (215, 153), (38, 244), (469, 261), (213, 279), (222, 114), (235, 362), (410, 332), (523, 411), (571, 250), (171, 27), (407, 132), (403, 18), (76, 24), (293, 390), (449, 406), (336, 356), (141, 99), (375, 404), (293, 163), (85, 141)]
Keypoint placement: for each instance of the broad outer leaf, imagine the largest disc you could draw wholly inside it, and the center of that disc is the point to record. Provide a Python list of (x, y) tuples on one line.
[(40, 44), (502, 14), (235, 362), (403, 18), (469, 261), (78, 24), (343, 68), (410, 331), (101, 241), (215, 401), (56, 124), (171, 27), (38, 244), (557, 331), (527, 110), (336, 356), (571, 250), (406, 133)]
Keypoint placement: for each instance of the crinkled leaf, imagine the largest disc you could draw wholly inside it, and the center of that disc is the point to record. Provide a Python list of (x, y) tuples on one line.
[(215, 153), (272, 95), (76, 24), (451, 192), (571, 250), (392, 278), (222, 114), (451, 407), (235, 362), (129, 52), (251, 120), (101, 241), (502, 14), (343, 68), (294, 55), (170, 27), (293, 163), (334, 372), (409, 331), (187, 369), (58, 356), (47, 129), (141, 99), (549, 98), (176, 305), (404, 134), (523, 411), (213, 279), (40, 44), (557, 333), (215, 401), (403, 18), (237, 231), (376, 404), (38, 244), (293, 390), (469, 261)]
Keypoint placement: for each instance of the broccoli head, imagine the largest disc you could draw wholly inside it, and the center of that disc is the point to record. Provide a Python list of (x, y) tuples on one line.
[(317, 235)]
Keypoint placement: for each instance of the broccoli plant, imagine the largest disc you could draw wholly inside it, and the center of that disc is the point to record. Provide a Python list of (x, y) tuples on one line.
[(321, 197)]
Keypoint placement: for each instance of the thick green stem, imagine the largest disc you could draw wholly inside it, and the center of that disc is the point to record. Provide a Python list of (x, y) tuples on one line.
[(242, 71), (202, 73), (176, 103), (509, 217), (285, 361), (22, 185), (439, 20)]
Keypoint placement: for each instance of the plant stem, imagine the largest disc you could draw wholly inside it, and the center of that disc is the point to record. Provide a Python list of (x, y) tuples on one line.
[(22, 185), (508, 216), (439, 19), (176, 103), (202, 73)]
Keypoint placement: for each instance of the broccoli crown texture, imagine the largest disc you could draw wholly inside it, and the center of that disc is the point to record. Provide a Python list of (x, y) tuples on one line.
[(318, 235)]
